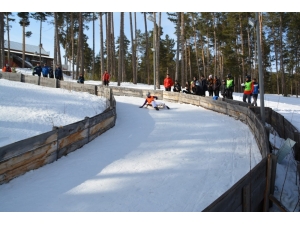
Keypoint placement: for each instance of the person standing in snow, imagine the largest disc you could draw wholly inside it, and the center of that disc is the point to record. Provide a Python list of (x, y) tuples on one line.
[(58, 73), (248, 89), (216, 86), (168, 83), (105, 78), (255, 92), (229, 86), (210, 83), (37, 70), (150, 100), (45, 70)]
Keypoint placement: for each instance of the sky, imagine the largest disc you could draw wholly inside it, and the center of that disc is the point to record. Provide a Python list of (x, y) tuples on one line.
[(175, 161)]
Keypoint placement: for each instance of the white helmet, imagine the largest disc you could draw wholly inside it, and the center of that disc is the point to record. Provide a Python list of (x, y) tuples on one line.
[(148, 94)]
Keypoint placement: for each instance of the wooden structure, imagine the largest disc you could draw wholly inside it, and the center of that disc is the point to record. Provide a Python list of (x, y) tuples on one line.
[(32, 55), (253, 192)]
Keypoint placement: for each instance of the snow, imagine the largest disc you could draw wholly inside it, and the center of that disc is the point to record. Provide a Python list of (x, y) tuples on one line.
[(177, 160)]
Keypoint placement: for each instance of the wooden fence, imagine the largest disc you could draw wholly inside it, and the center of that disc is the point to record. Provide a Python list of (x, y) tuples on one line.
[(28, 154), (254, 191), (250, 193)]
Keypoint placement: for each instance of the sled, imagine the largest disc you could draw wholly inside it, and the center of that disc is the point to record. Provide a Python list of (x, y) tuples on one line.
[(160, 106)]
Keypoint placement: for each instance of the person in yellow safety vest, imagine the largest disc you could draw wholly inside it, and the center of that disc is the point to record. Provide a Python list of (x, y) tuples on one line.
[(248, 89), (229, 86)]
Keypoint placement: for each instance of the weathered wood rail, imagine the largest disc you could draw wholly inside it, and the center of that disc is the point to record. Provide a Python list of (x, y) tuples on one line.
[(253, 192), (28, 154)]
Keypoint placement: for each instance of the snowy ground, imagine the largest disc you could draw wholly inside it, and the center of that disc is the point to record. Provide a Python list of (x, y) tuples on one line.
[(177, 160)]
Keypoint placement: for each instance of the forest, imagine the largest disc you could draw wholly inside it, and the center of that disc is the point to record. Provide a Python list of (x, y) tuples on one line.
[(217, 43)]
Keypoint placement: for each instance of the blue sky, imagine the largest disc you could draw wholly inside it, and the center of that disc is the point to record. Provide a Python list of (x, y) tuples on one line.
[(48, 30)]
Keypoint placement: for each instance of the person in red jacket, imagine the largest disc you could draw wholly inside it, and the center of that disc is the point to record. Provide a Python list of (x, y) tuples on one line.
[(168, 83), (105, 78)]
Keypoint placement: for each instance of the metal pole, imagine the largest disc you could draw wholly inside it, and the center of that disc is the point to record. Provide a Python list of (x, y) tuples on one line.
[(154, 53), (261, 81)]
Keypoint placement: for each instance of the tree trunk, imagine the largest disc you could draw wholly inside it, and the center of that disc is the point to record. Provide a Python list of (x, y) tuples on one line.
[(182, 47), (121, 48), (157, 52), (147, 51), (94, 45), (178, 43), (113, 58), (8, 40), (242, 45), (281, 59), (132, 51), (23, 47), (81, 44), (72, 43), (101, 47), (2, 54)]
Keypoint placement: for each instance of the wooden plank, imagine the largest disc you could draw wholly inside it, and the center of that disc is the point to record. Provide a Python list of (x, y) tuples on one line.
[(28, 144), (246, 198), (268, 184), (101, 126), (71, 147), (39, 153), (278, 204), (232, 198), (21, 164), (72, 138)]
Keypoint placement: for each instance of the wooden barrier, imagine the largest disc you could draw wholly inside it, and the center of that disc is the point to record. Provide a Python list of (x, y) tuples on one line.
[(28, 154), (248, 194)]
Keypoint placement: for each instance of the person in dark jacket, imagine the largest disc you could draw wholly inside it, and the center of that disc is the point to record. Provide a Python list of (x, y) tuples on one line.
[(58, 73), (51, 75), (80, 79), (203, 84), (37, 70), (216, 86), (187, 89), (177, 87), (223, 89), (255, 92), (210, 82)]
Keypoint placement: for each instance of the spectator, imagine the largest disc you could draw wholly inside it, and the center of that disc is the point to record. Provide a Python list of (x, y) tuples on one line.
[(255, 91), (6, 68), (203, 86), (45, 70), (80, 79), (210, 82), (229, 86), (58, 73), (223, 89), (150, 101), (196, 86), (216, 86), (37, 70), (105, 78), (187, 89), (177, 87), (51, 72), (248, 89), (168, 83)]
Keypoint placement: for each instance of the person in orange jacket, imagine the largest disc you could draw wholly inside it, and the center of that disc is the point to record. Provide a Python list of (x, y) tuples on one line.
[(105, 78), (6, 68), (168, 83), (150, 101)]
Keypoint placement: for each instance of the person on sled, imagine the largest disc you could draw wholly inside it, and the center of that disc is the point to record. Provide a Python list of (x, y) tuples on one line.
[(150, 101)]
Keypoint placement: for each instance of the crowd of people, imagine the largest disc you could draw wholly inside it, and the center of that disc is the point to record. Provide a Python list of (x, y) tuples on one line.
[(215, 87)]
